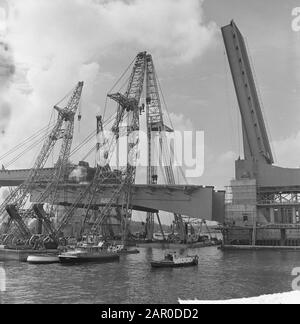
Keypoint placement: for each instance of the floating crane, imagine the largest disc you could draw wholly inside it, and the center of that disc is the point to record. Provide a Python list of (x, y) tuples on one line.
[(124, 178), (128, 112), (126, 124), (107, 192), (156, 125), (16, 202)]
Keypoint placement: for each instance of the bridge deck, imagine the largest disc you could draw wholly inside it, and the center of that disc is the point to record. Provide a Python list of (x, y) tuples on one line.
[(194, 201)]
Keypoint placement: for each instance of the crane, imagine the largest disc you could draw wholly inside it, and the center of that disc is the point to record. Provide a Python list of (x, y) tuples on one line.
[(126, 125), (15, 203), (124, 178), (156, 125)]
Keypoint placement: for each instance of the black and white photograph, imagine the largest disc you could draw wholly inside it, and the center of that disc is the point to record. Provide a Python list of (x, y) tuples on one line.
[(149, 154)]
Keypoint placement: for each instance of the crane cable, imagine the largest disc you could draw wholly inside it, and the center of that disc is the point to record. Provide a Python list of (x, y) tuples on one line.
[(26, 141), (90, 137), (116, 83), (27, 149), (40, 140), (171, 123), (66, 96), (32, 137), (89, 153), (83, 143), (121, 77)]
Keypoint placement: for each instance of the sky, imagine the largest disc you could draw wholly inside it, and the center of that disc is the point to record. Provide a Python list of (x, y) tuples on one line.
[(48, 46)]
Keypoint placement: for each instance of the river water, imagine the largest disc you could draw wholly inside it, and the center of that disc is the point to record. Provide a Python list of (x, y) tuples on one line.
[(220, 275)]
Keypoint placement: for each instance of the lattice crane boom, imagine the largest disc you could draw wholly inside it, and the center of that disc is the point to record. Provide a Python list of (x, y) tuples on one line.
[(67, 115), (128, 110), (155, 124), (60, 170), (17, 199)]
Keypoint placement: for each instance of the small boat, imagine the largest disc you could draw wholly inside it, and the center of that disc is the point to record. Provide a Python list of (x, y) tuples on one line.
[(126, 251), (42, 259), (86, 253), (121, 249), (173, 261)]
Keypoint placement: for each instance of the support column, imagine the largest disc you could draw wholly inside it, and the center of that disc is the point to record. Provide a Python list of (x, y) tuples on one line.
[(272, 216), (282, 236), (254, 229), (294, 215), (39, 227), (150, 226), (161, 228)]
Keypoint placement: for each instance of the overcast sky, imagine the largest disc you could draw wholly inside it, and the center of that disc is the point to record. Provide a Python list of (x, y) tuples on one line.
[(52, 44)]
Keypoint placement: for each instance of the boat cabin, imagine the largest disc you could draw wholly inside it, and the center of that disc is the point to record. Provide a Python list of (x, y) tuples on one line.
[(170, 256)]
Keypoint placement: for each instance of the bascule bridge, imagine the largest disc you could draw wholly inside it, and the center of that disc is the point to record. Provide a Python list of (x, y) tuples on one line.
[(262, 195)]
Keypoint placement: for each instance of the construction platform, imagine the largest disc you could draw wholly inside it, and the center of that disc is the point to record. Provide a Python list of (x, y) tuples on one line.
[(19, 255), (271, 235), (170, 246), (259, 248)]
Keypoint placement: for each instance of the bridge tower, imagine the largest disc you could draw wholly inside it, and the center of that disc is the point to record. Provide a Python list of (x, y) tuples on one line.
[(263, 195)]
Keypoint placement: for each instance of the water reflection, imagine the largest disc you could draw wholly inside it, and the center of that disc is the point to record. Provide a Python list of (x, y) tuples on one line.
[(220, 275)]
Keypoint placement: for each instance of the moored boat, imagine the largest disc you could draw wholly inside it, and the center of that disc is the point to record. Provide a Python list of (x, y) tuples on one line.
[(42, 259), (86, 253), (121, 249), (127, 251), (172, 260)]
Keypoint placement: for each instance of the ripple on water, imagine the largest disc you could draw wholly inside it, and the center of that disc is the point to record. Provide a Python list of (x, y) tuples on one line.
[(220, 275)]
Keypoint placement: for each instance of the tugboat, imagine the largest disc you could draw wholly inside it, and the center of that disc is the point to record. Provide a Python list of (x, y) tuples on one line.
[(172, 260), (89, 253)]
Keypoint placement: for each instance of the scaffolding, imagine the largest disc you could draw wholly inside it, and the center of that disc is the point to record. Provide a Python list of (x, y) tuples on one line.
[(241, 200)]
